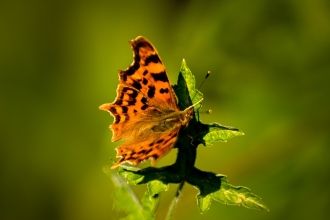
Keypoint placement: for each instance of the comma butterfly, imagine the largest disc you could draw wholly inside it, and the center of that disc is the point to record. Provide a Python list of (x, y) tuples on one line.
[(145, 109)]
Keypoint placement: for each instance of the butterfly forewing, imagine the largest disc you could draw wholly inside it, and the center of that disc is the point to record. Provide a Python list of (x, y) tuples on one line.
[(129, 112), (147, 74)]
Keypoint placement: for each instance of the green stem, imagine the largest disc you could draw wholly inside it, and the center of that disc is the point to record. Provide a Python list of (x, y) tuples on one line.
[(185, 160), (174, 202), (186, 157)]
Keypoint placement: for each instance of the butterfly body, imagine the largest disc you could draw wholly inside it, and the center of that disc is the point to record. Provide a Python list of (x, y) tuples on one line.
[(145, 110)]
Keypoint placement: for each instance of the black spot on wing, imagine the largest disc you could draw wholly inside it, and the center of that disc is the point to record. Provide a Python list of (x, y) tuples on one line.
[(145, 72), (134, 155), (134, 94), (142, 44), (136, 85), (165, 142), (155, 156), (113, 110), (144, 100), (121, 95), (162, 91), (125, 89), (145, 81), (144, 107), (135, 66), (118, 102), (152, 59), (123, 75), (125, 109), (174, 134), (159, 141), (126, 117), (149, 150), (117, 119), (160, 76), (151, 91), (132, 102), (130, 71)]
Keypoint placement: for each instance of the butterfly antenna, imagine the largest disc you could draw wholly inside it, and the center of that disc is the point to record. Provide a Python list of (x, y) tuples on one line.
[(194, 104), (206, 112), (206, 76)]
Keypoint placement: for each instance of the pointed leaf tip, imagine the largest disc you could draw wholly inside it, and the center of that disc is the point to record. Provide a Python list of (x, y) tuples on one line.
[(239, 195), (204, 203), (216, 132)]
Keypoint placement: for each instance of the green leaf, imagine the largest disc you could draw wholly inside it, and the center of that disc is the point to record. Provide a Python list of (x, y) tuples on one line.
[(185, 89), (216, 187), (217, 132), (239, 196), (126, 200), (157, 179), (220, 195), (149, 205), (131, 176), (187, 95), (124, 197), (156, 186), (204, 203)]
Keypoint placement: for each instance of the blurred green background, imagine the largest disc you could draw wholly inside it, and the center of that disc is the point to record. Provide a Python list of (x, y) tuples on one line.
[(270, 78)]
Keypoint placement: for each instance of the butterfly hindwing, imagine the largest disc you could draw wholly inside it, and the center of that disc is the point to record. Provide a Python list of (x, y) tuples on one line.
[(148, 147)]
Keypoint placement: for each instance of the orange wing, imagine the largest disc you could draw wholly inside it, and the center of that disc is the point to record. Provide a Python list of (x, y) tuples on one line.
[(145, 101), (147, 74), (144, 93), (152, 147)]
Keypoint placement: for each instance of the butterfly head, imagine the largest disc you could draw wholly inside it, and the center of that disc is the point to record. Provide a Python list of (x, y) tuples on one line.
[(186, 116)]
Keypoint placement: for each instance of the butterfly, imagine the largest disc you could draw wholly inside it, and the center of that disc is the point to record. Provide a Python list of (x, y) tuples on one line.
[(145, 110)]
